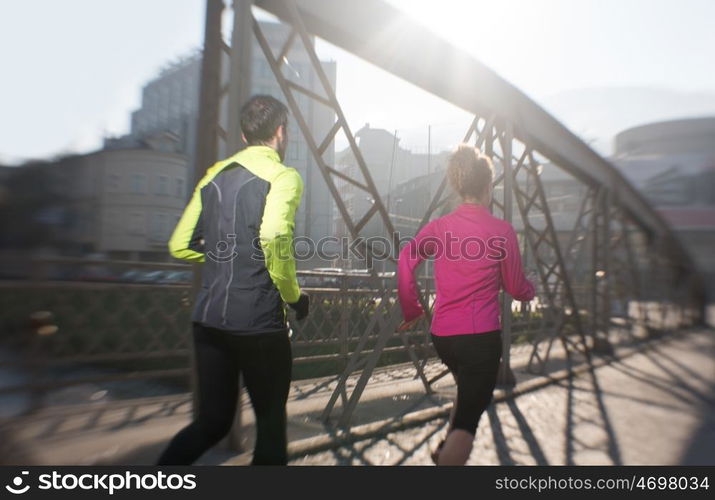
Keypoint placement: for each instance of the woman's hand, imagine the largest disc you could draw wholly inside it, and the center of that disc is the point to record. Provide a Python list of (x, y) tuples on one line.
[(533, 276), (407, 325)]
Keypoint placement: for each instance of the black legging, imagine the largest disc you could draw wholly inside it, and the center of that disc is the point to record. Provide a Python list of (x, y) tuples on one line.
[(265, 362), (473, 359)]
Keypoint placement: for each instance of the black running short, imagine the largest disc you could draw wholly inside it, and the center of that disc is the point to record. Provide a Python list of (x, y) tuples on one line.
[(473, 359)]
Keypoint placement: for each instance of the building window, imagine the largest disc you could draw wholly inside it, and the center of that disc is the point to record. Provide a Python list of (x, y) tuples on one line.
[(180, 188), (159, 227), (136, 224), (138, 183), (162, 185), (113, 182), (113, 223)]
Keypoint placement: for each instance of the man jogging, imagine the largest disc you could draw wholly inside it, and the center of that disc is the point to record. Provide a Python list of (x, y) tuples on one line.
[(239, 223)]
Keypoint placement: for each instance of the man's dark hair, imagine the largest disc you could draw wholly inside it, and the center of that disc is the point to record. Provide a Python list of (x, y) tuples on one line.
[(260, 117)]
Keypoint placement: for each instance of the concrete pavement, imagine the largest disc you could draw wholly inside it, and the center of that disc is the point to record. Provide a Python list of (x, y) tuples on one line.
[(652, 405)]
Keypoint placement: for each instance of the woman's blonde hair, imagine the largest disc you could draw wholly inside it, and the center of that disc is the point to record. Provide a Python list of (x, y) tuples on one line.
[(469, 171)]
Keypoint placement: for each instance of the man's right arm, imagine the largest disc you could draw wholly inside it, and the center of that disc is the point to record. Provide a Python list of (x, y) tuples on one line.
[(276, 232)]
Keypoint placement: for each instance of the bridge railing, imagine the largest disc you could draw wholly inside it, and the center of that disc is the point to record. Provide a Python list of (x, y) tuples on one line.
[(124, 327), (130, 335)]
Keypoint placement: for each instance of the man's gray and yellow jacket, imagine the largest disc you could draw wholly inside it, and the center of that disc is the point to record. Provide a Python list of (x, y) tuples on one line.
[(239, 223)]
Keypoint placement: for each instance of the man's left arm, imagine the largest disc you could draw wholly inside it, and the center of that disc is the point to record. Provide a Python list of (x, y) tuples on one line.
[(276, 233), (186, 241)]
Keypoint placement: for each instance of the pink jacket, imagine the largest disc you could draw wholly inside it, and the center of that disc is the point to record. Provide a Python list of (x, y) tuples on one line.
[(475, 254)]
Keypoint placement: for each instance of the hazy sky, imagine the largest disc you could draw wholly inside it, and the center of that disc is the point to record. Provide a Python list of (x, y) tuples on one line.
[(72, 70)]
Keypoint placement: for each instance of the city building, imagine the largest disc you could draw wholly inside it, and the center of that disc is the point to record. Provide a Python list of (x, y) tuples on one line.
[(114, 204), (395, 171), (124, 201), (407, 182), (170, 104), (673, 164)]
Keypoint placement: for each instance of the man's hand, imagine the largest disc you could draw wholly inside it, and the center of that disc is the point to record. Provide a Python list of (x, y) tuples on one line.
[(302, 306), (406, 325)]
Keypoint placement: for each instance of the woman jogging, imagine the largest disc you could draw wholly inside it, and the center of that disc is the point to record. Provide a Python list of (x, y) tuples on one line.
[(475, 255)]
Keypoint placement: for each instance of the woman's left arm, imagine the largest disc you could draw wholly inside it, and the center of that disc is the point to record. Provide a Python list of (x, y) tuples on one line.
[(513, 278)]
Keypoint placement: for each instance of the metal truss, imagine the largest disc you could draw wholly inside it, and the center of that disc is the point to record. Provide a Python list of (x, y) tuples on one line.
[(217, 139), (561, 314), (577, 283), (624, 280), (600, 310), (385, 317)]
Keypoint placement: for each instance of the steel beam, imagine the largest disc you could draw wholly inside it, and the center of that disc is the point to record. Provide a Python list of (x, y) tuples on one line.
[(385, 327), (506, 121), (382, 35)]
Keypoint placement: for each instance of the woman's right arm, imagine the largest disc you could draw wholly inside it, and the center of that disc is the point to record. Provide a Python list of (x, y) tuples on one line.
[(515, 283), (418, 249)]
